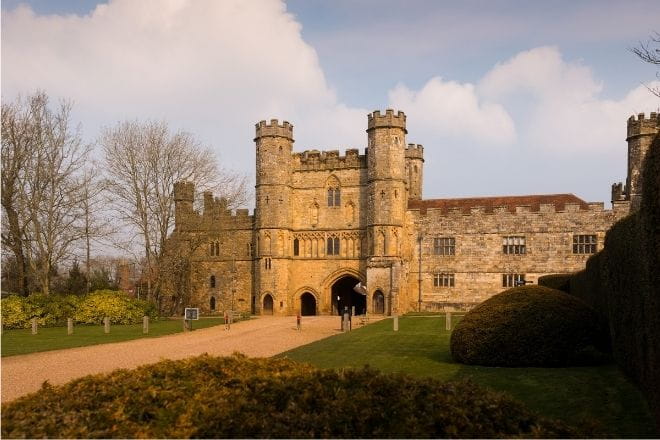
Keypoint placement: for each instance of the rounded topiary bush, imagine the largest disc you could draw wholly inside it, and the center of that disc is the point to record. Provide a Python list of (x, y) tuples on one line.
[(530, 326), (237, 397)]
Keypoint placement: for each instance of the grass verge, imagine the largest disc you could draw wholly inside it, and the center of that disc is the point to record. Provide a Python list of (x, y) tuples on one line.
[(22, 341), (599, 395)]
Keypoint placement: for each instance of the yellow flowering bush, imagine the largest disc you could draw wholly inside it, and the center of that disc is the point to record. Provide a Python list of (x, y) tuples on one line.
[(118, 306)]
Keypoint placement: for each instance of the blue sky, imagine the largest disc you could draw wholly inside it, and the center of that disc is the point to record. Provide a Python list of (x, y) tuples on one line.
[(508, 97)]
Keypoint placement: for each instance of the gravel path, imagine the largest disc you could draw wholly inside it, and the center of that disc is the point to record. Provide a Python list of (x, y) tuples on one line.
[(260, 337)]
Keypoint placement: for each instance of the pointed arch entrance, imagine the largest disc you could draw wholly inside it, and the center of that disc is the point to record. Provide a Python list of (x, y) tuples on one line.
[(378, 302), (267, 308), (307, 304), (343, 296)]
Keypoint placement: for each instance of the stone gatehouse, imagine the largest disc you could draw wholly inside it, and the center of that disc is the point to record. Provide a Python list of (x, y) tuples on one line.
[(324, 222)]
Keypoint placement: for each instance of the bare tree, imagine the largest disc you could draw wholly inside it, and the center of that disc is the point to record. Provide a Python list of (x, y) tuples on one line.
[(44, 158), (649, 52), (143, 161)]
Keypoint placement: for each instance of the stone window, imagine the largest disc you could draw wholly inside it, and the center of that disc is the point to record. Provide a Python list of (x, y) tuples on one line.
[(443, 280), (333, 246), (584, 244), (249, 250), (296, 247), (512, 279), (513, 245), (268, 263), (334, 197), (212, 282), (214, 249), (212, 304), (444, 246)]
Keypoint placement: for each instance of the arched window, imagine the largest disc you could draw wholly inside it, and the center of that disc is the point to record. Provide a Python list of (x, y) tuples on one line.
[(296, 247), (212, 282), (212, 304), (334, 193), (214, 249)]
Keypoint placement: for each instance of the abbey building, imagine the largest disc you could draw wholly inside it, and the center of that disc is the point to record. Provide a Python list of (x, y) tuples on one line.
[(324, 222)]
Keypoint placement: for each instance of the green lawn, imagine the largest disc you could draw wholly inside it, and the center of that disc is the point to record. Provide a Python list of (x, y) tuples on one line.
[(421, 347), (55, 338)]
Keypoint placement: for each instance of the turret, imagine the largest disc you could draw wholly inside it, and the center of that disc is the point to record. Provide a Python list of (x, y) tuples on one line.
[(274, 143), (415, 168), (184, 196), (641, 132), (386, 171)]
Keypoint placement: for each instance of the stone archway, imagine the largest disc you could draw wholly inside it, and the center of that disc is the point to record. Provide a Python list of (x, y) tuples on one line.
[(267, 308), (307, 304), (343, 296), (378, 301)]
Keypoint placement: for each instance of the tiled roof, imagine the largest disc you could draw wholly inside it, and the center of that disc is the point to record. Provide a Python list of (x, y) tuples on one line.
[(510, 202)]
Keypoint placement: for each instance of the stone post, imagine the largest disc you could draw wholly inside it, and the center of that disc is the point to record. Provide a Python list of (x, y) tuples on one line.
[(145, 324), (106, 325), (396, 322), (69, 326), (2, 325), (448, 321), (34, 326), (187, 325)]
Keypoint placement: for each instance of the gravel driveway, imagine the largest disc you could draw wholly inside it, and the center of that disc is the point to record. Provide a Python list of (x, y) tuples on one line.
[(260, 337)]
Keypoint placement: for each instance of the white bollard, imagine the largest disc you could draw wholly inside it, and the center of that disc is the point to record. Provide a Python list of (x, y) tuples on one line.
[(448, 321), (145, 324), (69, 326), (34, 326), (396, 322), (106, 325)]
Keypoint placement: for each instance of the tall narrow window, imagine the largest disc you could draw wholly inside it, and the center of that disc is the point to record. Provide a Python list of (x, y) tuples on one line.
[(332, 246), (296, 247), (331, 197), (214, 249), (337, 197), (212, 282)]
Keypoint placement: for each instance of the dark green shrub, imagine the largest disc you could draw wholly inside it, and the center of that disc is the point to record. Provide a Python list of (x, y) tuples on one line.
[(530, 326), (558, 281), (237, 397)]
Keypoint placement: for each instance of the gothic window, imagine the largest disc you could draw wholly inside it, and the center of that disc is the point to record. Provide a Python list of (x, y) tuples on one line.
[(333, 246), (584, 244), (334, 197), (443, 280), (214, 248), (212, 282), (212, 304), (267, 263), (296, 247), (382, 244), (350, 213), (513, 279), (444, 246), (267, 249), (513, 245)]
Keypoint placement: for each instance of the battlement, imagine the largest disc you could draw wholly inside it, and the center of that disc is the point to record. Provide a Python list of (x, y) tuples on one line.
[(640, 125), (184, 191), (389, 119), (310, 160), (263, 129), (414, 151)]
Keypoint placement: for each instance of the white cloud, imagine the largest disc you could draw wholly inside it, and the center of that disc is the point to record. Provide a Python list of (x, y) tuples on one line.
[(211, 67), (450, 109), (562, 108)]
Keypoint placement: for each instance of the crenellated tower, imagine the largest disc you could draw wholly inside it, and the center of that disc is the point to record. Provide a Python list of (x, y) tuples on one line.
[(641, 132), (415, 170), (274, 144), (387, 199)]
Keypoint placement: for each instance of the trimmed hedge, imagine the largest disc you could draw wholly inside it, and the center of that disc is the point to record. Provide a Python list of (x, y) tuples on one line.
[(558, 281), (54, 310), (238, 397), (622, 283), (531, 326)]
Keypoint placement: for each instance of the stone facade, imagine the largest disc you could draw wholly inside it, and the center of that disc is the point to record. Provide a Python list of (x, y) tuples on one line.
[(324, 222)]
